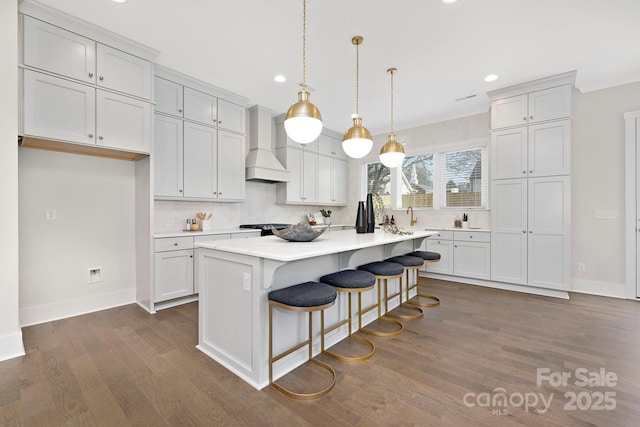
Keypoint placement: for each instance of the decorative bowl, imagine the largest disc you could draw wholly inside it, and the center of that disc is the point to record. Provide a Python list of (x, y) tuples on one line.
[(301, 232)]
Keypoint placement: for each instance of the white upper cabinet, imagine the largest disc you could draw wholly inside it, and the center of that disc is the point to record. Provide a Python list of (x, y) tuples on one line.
[(534, 107), (231, 116), (169, 97), (330, 146), (230, 167), (58, 109), (531, 151), (201, 160), (123, 122), (58, 51), (168, 156), (122, 72), (200, 107)]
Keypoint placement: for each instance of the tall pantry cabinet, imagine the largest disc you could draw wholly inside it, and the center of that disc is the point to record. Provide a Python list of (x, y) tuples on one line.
[(531, 183)]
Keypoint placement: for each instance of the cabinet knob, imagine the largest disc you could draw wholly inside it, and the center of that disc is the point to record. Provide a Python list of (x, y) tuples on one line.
[(101, 78), (219, 122), (471, 237), (90, 74), (180, 190), (524, 118), (190, 256), (524, 172), (179, 110), (175, 244), (455, 246), (531, 171), (530, 231), (531, 117), (220, 194), (524, 231), (101, 137), (90, 135)]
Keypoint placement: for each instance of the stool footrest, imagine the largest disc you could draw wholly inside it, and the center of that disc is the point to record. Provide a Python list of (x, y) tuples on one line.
[(383, 333), (312, 395), (435, 301), (418, 312), (369, 355)]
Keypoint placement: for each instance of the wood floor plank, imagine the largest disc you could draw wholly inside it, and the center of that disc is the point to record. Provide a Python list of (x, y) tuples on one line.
[(124, 367)]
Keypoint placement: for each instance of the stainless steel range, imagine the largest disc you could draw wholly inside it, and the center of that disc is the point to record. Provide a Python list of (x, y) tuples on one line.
[(265, 229)]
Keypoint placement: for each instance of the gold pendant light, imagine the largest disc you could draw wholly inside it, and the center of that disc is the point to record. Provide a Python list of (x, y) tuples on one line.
[(303, 123), (357, 141), (392, 153)]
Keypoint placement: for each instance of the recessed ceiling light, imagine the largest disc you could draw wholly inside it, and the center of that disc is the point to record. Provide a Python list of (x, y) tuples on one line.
[(491, 78), (119, 1), (280, 78), (449, 1)]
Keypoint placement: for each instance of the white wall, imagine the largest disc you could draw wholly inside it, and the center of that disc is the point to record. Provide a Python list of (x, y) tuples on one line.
[(418, 140), (598, 183), (10, 333), (94, 202)]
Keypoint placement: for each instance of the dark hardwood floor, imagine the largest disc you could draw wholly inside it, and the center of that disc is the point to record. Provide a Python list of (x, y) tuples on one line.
[(123, 367)]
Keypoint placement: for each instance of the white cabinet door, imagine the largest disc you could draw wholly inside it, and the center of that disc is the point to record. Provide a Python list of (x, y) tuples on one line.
[(123, 72), (339, 182), (168, 97), (509, 231), (509, 112), (294, 164), (509, 153), (230, 167), (445, 249), (549, 232), (550, 104), (231, 116), (58, 109), (549, 150), (53, 49), (173, 275), (472, 260), (168, 156), (200, 161), (123, 122), (325, 179), (200, 107), (310, 177)]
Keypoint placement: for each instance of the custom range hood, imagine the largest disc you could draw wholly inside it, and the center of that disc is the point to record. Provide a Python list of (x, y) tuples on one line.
[(261, 163)]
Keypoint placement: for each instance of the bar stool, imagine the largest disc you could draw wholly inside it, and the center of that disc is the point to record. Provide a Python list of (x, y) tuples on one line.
[(304, 297), (410, 263), (428, 257), (383, 271), (351, 281)]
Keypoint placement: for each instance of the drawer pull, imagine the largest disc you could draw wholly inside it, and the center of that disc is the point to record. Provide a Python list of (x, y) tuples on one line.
[(175, 244), (101, 78), (471, 237), (90, 74)]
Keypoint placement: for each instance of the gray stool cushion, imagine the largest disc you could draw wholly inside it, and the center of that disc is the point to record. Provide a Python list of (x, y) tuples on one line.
[(308, 294), (382, 268), (426, 255), (350, 279), (406, 260)]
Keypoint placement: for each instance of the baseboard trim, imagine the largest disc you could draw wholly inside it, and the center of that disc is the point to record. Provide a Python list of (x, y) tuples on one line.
[(11, 346), (499, 285), (75, 307), (603, 289)]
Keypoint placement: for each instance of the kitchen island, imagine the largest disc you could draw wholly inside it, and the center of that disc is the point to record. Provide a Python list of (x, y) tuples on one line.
[(234, 278)]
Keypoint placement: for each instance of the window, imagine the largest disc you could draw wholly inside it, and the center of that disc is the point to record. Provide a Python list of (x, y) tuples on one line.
[(462, 182), (379, 181), (416, 181), (443, 179)]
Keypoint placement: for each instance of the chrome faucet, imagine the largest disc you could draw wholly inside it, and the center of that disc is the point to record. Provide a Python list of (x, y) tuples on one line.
[(413, 220)]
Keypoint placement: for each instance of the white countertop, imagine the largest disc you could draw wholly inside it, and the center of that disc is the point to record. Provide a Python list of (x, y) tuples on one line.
[(331, 242)]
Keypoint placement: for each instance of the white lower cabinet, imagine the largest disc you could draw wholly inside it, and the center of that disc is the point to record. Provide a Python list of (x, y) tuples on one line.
[(174, 275), (531, 231), (462, 253)]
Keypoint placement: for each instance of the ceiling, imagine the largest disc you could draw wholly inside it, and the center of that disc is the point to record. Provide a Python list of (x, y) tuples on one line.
[(442, 52)]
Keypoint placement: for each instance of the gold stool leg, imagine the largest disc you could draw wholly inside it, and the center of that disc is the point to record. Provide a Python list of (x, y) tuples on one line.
[(418, 313), (434, 300), (380, 316)]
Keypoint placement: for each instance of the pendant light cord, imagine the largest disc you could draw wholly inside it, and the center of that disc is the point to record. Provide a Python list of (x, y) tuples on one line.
[(304, 45), (391, 71), (357, 79)]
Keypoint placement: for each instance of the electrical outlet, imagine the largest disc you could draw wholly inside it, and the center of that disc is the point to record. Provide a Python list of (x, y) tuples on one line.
[(168, 222), (606, 214), (582, 266), (95, 275), (50, 214)]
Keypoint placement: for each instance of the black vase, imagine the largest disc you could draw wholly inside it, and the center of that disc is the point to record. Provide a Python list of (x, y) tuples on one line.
[(371, 218), (361, 219)]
